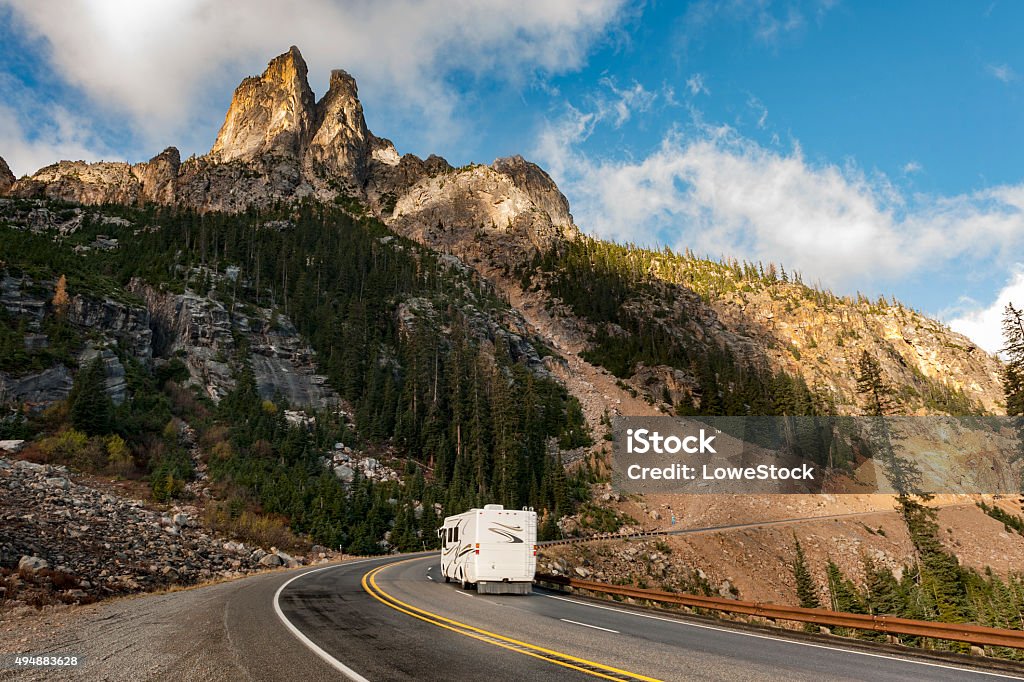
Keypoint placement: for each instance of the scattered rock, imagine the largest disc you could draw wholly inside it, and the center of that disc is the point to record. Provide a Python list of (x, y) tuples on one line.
[(102, 545)]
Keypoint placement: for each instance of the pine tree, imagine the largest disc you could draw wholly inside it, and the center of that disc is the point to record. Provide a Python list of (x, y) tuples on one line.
[(883, 595), (844, 593), (940, 578), (878, 396), (806, 590), (1013, 347), (873, 388), (92, 411)]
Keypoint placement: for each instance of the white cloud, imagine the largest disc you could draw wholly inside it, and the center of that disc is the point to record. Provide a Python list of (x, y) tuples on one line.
[(720, 193), (911, 167), (697, 85), (635, 99), (983, 324), (769, 22), (770, 27), (171, 64), (1003, 72), (760, 109), (61, 136)]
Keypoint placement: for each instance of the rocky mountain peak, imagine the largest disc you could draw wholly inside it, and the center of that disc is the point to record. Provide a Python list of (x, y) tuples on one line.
[(171, 156), (275, 112), (159, 176), (343, 84), (278, 142), (6, 176), (341, 146), (538, 185)]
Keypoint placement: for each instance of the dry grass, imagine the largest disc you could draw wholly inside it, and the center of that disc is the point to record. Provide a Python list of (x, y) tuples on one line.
[(255, 529), (45, 587)]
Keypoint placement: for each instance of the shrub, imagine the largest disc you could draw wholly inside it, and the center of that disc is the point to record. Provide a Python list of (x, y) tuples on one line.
[(165, 485), (119, 457), (250, 527), (222, 451), (63, 446)]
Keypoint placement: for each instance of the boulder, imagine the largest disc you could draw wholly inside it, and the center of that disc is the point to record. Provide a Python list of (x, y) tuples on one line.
[(271, 561), (58, 482), (32, 564)]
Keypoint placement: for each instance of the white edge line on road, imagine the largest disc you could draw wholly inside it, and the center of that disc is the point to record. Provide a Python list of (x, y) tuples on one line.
[(465, 594), (587, 625), (789, 641), (330, 660)]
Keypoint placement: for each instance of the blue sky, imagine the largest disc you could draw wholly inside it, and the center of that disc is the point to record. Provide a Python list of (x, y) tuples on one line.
[(874, 146)]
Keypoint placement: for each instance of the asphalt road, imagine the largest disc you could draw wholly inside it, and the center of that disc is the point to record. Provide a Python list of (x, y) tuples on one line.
[(437, 631), (324, 624)]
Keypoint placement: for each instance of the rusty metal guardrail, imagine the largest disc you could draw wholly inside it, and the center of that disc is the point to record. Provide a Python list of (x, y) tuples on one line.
[(891, 625)]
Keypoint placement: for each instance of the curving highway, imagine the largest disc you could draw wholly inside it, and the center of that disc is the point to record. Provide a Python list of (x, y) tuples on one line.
[(392, 619)]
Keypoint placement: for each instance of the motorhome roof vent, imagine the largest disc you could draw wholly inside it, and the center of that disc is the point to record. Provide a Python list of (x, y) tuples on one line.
[(493, 506)]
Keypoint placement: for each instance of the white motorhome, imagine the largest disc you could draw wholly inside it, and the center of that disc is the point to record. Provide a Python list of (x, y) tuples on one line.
[(493, 548)]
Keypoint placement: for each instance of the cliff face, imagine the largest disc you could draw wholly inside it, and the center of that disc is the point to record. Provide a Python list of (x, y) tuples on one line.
[(340, 148), (449, 210), (204, 330), (823, 342), (275, 113), (6, 176), (158, 179)]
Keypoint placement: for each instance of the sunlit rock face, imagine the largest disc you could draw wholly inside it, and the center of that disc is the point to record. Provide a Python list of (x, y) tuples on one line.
[(272, 113)]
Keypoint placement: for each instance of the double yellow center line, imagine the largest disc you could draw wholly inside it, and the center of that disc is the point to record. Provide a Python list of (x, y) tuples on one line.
[(565, 660)]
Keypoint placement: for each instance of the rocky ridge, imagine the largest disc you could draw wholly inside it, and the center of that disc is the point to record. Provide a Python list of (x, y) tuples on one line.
[(278, 143), (824, 341), (782, 325)]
